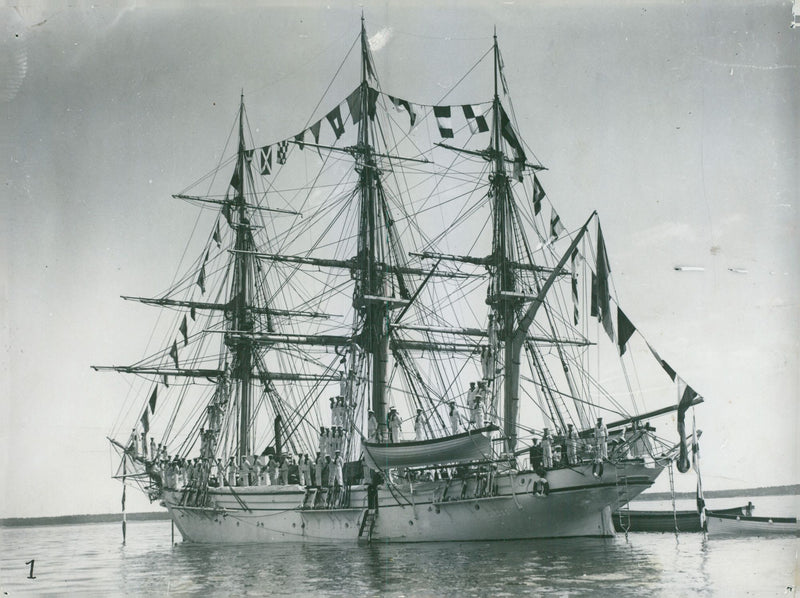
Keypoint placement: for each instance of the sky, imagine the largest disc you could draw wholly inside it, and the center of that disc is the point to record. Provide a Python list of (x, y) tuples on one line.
[(678, 122)]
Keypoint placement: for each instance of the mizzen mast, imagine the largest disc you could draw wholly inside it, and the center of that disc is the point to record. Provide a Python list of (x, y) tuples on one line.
[(241, 296)]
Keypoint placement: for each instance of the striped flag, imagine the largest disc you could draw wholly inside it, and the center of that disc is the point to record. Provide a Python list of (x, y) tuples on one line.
[(443, 121), (575, 312), (556, 227), (475, 119)]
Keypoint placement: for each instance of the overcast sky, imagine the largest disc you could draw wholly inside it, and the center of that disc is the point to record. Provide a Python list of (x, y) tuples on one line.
[(678, 122)]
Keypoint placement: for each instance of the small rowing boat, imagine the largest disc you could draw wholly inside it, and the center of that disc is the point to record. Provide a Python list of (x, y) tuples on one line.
[(731, 524)]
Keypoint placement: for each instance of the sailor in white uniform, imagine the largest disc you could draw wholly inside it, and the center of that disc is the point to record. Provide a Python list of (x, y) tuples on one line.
[(547, 449), (455, 418), (372, 426), (419, 424), (600, 441)]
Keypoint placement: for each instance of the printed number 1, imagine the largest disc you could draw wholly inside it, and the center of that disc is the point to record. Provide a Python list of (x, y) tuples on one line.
[(31, 562)]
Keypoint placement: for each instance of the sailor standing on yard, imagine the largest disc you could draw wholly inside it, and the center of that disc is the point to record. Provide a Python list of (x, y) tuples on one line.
[(393, 423), (600, 441), (372, 426), (572, 445), (419, 424), (547, 449), (134, 443), (455, 418)]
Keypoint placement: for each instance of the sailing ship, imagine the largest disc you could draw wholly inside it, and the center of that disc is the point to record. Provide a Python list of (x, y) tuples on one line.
[(353, 280)]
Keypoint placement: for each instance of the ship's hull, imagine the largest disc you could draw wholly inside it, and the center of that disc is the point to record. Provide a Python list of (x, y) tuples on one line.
[(509, 506)]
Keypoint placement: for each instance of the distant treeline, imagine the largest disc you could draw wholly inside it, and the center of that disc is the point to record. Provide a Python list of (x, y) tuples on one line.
[(743, 492), (73, 519)]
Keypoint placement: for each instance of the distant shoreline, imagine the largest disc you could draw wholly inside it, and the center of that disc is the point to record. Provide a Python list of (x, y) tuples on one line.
[(767, 491), (163, 515)]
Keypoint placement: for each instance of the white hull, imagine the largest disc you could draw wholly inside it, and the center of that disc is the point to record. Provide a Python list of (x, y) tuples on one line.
[(720, 525), (577, 505)]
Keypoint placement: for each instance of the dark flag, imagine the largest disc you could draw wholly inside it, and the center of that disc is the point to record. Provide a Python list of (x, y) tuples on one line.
[(300, 138), (217, 237), (174, 353), (236, 179), (442, 114), (670, 372), (507, 130), (687, 395), (625, 330), (354, 103), (145, 422), (603, 294), (408, 107), (372, 99), (226, 212), (283, 150), (335, 119), (201, 279), (476, 121), (153, 398), (593, 311), (315, 134), (166, 381), (184, 331), (538, 195), (193, 313)]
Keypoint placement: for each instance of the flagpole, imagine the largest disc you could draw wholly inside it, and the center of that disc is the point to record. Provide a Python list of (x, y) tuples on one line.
[(124, 487)]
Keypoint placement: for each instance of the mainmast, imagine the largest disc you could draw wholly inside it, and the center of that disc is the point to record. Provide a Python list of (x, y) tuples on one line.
[(502, 297), (241, 345), (369, 294)]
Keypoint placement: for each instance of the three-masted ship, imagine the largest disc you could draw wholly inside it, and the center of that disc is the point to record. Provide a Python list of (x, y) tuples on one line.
[(389, 334)]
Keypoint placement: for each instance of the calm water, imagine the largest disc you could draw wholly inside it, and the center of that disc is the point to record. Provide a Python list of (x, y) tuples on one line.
[(89, 560)]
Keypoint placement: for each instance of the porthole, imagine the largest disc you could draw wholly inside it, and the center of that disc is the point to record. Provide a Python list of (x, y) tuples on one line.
[(410, 523), (477, 507), (294, 525), (522, 481), (347, 525)]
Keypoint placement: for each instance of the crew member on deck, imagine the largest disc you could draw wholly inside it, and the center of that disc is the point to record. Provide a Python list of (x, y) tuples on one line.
[(547, 449), (372, 426), (319, 463), (572, 445), (305, 470), (284, 470), (272, 468), (153, 452), (393, 423), (337, 479), (455, 418), (600, 441), (419, 424)]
